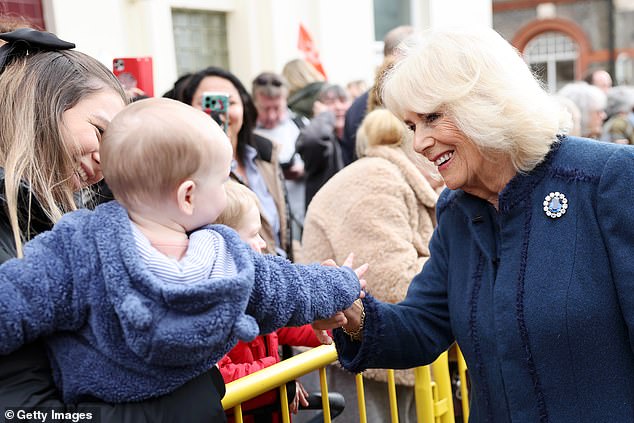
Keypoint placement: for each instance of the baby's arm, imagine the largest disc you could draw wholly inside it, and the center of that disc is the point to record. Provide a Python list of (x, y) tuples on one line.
[(36, 294), (286, 294)]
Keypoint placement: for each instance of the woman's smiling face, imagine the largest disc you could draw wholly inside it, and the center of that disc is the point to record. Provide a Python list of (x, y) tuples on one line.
[(457, 158), (82, 128)]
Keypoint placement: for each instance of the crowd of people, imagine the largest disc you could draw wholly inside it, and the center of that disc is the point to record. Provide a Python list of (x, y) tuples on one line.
[(601, 111), (485, 212)]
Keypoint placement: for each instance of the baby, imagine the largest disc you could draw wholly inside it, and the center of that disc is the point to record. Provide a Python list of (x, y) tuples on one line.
[(141, 295)]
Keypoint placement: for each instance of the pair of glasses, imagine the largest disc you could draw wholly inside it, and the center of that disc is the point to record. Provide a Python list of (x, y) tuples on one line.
[(263, 80)]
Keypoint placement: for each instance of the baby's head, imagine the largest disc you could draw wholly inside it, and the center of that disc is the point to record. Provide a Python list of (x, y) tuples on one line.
[(165, 158), (243, 214)]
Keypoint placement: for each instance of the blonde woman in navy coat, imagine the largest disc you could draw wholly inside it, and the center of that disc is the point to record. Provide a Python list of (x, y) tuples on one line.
[(530, 267)]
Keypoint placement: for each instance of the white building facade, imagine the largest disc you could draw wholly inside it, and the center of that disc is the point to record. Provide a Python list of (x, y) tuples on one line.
[(247, 36)]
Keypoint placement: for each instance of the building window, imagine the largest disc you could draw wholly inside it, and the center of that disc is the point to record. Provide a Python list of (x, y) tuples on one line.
[(31, 10), (552, 57), (389, 14), (200, 40)]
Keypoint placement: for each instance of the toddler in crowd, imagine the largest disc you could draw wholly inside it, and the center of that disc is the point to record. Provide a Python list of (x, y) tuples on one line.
[(141, 294), (242, 214)]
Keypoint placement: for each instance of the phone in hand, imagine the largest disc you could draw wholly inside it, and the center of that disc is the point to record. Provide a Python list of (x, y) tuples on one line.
[(216, 105)]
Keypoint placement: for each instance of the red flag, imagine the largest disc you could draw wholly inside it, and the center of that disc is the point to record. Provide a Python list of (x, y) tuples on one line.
[(306, 45)]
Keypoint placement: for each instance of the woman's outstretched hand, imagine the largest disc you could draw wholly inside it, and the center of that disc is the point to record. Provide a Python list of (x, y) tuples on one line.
[(340, 318)]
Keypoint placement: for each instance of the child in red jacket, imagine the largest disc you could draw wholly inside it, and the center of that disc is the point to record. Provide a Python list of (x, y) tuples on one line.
[(242, 214)]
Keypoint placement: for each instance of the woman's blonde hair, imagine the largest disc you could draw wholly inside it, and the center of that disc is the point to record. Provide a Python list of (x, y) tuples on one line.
[(299, 73), (36, 90), (240, 199), (480, 81), (379, 127)]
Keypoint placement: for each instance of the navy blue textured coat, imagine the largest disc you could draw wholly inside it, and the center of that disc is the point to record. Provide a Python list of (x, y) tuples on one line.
[(121, 334), (541, 307)]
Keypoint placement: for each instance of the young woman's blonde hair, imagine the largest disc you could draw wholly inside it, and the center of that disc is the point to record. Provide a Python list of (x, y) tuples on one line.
[(299, 73), (382, 127), (36, 90), (379, 127), (240, 199), (478, 80), (152, 146)]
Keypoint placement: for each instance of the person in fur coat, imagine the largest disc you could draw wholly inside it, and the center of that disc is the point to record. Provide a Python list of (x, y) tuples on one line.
[(141, 295), (382, 208)]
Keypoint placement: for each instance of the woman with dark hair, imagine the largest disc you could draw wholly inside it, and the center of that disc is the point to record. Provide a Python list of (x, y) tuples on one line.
[(255, 162)]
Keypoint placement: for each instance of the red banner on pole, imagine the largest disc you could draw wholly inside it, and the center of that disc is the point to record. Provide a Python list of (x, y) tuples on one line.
[(306, 46)]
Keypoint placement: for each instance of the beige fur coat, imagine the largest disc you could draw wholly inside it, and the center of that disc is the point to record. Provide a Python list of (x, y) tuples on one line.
[(381, 208)]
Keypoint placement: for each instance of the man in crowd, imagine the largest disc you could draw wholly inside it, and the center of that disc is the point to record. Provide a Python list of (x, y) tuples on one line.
[(278, 123)]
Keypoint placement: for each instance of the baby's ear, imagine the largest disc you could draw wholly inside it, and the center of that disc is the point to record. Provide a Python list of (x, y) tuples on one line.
[(185, 196)]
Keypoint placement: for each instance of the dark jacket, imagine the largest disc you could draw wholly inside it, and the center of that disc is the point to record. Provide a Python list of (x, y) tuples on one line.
[(354, 116), (301, 101), (320, 150), (541, 307), (26, 378)]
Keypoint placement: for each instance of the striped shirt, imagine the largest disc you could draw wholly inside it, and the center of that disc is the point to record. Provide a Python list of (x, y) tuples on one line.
[(207, 257)]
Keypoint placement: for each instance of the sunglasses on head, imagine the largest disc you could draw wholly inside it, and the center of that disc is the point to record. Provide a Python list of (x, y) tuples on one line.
[(263, 80)]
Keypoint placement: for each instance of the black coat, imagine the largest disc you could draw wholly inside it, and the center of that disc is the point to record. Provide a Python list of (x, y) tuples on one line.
[(354, 117), (26, 377), (320, 150)]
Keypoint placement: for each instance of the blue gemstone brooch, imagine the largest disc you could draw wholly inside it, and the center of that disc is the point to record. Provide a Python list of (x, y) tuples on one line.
[(555, 205)]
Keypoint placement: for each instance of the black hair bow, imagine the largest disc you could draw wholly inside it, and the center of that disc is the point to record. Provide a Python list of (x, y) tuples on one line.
[(25, 41)]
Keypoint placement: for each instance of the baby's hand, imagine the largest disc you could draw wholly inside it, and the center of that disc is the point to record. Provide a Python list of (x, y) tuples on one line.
[(360, 271)]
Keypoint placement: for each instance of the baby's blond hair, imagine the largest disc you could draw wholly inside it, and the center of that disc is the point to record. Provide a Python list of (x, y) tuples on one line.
[(240, 200)]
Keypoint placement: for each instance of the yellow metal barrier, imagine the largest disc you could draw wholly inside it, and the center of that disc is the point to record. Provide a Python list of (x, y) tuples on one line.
[(276, 376), (434, 396), (325, 404), (363, 417), (391, 391), (464, 387), (443, 395)]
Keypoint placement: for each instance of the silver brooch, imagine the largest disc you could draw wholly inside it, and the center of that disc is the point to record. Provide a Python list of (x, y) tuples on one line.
[(555, 204)]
